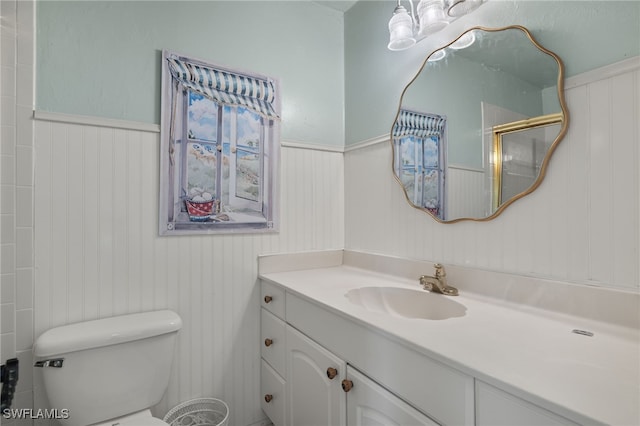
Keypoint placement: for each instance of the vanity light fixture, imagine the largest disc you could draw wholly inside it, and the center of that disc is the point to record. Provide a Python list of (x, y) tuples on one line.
[(431, 16)]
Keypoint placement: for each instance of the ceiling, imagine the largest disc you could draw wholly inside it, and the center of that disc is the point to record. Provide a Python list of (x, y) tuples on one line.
[(341, 5)]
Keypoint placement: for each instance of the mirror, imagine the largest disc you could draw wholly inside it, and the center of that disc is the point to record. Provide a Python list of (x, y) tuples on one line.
[(477, 125)]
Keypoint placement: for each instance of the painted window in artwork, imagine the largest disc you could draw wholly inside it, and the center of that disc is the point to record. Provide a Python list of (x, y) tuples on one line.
[(419, 154), (220, 150)]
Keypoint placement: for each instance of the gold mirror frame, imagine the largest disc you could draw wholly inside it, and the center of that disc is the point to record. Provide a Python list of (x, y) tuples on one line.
[(564, 119)]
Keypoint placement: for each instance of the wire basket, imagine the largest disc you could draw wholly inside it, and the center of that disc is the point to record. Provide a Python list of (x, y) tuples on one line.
[(199, 412)]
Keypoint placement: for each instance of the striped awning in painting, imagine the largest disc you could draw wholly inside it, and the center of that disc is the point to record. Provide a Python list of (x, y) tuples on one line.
[(422, 125), (226, 87)]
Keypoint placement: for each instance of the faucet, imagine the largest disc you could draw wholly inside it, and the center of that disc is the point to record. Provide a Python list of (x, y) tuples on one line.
[(438, 283)]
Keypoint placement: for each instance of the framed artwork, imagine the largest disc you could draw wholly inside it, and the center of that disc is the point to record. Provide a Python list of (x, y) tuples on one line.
[(219, 149)]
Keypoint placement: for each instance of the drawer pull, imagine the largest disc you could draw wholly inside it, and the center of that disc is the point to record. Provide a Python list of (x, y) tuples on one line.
[(347, 385), (331, 373), (268, 398), (268, 342), (268, 299)]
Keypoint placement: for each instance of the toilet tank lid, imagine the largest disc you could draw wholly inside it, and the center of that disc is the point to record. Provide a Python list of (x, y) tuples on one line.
[(105, 332)]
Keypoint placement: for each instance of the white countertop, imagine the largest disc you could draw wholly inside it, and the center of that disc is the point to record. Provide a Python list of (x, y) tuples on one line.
[(524, 350)]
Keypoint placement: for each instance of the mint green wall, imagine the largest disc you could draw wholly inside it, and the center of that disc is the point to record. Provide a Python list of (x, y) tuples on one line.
[(339, 82), (585, 34), (102, 58)]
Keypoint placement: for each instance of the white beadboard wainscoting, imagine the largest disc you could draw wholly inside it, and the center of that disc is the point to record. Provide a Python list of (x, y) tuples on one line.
[(581, 225), (98, 253)]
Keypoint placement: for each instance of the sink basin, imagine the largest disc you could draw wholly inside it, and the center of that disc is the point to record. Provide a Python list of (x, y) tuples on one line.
[(406, 303)]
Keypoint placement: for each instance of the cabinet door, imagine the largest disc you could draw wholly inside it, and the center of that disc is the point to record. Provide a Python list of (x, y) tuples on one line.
[(314, 376), (369, 404)]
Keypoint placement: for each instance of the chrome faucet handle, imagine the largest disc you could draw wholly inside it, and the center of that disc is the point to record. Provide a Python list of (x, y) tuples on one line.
[(440, 272)]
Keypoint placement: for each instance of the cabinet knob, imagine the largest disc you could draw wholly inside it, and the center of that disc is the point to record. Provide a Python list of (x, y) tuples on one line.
[(268, 299), (268, 398), (347, 385), (331, 373), (268, 342)]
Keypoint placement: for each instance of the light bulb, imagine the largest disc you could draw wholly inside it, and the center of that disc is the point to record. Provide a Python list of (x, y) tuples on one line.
[(431, 16), (437, 55), (400, 30), (465, 41)]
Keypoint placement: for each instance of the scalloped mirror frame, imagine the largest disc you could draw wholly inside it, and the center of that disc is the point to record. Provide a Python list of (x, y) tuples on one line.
[(545, 161)]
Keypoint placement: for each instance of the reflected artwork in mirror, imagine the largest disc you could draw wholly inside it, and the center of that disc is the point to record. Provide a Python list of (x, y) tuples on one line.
[(477, 125)]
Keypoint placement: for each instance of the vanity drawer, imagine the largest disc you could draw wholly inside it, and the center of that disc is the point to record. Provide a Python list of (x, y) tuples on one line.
[(272, 298), (272, 345), (273, 394)]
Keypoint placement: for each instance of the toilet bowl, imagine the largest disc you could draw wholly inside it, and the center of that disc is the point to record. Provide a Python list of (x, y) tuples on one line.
[(109, 371)]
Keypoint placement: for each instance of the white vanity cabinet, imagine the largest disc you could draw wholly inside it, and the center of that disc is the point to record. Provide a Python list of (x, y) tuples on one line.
[(320, 368), (338, 309), (304, 383)]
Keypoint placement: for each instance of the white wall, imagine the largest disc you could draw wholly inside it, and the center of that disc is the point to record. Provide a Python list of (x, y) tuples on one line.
[(581, 225), (16, 178), (98, 253)]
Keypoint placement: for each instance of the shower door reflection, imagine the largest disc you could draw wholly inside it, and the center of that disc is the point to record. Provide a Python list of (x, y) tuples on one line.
[(520, 150)]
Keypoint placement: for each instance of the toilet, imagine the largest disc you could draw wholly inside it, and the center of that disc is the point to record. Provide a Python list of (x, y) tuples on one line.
[(109, 371)]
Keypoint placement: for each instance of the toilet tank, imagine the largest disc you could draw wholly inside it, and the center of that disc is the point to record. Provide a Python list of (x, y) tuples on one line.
[(107, 368)]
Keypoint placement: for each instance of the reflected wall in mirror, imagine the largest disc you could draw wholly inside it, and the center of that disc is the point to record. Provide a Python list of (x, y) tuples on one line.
[(486, 82)]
